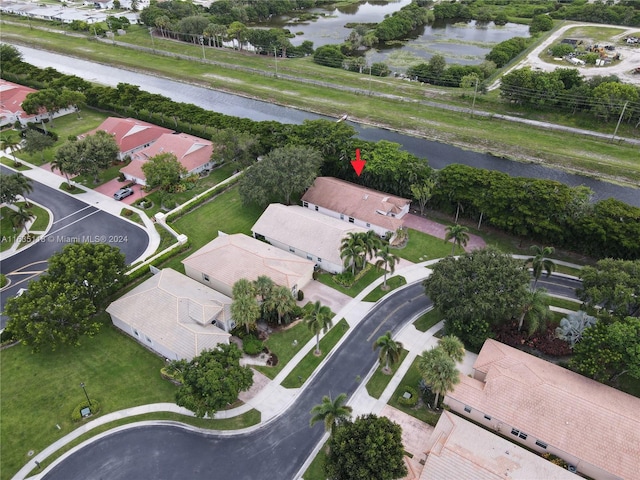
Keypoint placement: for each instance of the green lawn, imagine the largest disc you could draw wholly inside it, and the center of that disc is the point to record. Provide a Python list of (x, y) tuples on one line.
[(285, 344), (411, 379), (40, 390), (310, 362), (7, 235), (379, 380), (104, 176), (10, 163), (422, 247), (392, 283), (428, 320), (316, 469), (357, 287), (41, 220), (565, 303)]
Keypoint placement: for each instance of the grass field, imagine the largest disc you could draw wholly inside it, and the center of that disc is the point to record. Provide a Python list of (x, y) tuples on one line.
[(411, 379), (428, 320), (379, 380), (422, 247), (357, 287), (392, 283), (316, 469), (310, 362), (40, 390), (285, 344), (41, 220)]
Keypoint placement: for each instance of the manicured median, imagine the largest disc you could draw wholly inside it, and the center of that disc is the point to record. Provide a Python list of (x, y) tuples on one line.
[(379, 380)]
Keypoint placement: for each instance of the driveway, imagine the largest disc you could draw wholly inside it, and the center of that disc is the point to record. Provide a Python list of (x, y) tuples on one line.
[(328, 296), (112, 186), (439, 230)]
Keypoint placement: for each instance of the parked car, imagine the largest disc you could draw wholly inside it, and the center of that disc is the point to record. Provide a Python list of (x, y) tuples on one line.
[(123, 193)]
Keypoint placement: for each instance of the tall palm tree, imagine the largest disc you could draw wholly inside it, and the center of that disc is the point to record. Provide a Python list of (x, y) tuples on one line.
[(331, 412), (539, 262), (390, 351), (439, 371), (10, 143), (263, 286), (459, 235), (371, 243), (318, 320), (245, 309), (243, 287), (21, 217), (453, 347), (352, 252), (281, 300), (388, 261), (23, 184), (535, 310)]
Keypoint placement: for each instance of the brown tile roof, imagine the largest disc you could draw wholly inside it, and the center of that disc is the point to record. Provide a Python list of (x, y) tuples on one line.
[(130, 133), (355, 201), (11, 97), (594, 422), (176, 312), (460, 450), (228, 258)]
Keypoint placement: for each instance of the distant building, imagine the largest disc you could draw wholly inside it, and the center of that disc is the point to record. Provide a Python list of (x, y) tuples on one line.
[(591, 426), (11, 97), (305, 233), (355, 204), (228, 258)]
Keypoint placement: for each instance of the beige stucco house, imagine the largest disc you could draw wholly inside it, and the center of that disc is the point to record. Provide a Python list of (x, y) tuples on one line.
[(593, 427), (174, 315), (360, 206), (306, 233), (461, 450), (228, 258)]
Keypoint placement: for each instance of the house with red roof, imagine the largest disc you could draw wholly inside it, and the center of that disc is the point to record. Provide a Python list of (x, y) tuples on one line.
[(11, 97), (193, 153), (130, 134)]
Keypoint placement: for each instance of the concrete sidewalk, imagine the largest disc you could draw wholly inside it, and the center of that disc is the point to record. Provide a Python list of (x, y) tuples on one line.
[(92, 198)]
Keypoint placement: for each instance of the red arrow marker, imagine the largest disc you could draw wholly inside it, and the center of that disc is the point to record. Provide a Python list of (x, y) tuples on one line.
[(358, 164)]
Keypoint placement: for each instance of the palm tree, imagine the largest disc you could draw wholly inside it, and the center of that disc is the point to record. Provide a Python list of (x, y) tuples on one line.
[(162, 22), (351, 252), (263, 286), (459, 235), (281, 300), (539, 262), (439, 371), (390, 351), (535, 310), (20, 217), (11, 143), (318, 320), (388, 261), (370, 242), (244, 308), (63, 166), (331, 412), (23, 184), (453, 347)]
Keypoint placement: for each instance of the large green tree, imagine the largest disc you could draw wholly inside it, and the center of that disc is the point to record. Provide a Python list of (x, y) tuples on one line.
[(612, 284), (14, 186), (281, 174), (98, 269), (163, 171), (369, 448), (213, 380), (389, 351), (35, 142), (331, 412), (50, 314), (607, 350), (476, 291), (67, 160)]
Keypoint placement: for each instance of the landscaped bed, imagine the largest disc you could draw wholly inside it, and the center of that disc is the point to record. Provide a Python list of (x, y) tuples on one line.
[(420, 411), (379, 380), (285, 343)]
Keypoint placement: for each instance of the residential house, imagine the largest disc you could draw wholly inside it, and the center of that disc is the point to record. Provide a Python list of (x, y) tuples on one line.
[(593, 427), (355, 204), (174, 315), (228, 258), (461, 450), (11, 97), (130, 134), (306, 233), (192, 152)]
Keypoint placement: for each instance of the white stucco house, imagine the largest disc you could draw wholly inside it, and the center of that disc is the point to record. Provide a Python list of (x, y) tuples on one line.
[(549, 409), (305, 233), (228, 258), (174, 315), (11, 97), (360, 206)]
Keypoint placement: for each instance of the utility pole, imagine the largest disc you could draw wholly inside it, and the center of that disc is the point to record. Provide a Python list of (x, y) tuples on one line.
[(369, 79), (619, 120), (201, 38), (153, 42), (275, 55), (473, 104)]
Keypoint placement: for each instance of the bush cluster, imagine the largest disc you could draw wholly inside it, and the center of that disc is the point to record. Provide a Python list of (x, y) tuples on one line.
[(411, 401), (76, 416), (251, 345)]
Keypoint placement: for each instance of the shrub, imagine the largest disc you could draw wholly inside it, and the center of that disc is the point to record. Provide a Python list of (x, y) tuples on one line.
[(17, 164), (76, 416), (6, 336), (126, 212), (121, 177), (3, 280), (300, 295), (251, 345), (411, 401)]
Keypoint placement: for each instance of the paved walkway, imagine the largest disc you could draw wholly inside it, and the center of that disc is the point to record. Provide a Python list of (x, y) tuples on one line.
[(439, 230)]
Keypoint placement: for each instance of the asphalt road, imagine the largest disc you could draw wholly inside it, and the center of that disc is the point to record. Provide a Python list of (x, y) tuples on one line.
[(275, 451), (73, 220)]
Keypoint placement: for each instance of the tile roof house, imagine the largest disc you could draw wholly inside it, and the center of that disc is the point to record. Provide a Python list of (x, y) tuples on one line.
[(593, 427), (306, 233), (11, 97), (461, 450), (130, 134), (358, 205), (193, 153), (228, 258), (173, 315)]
